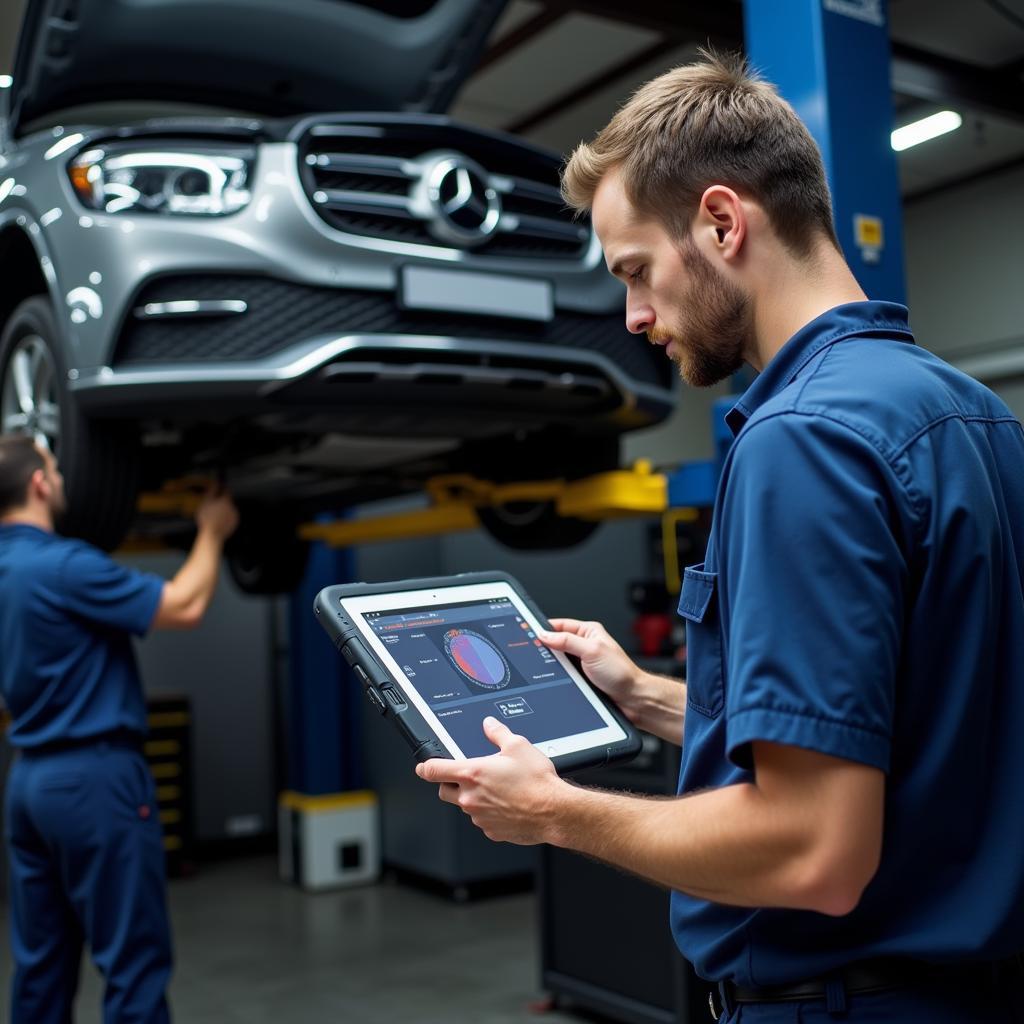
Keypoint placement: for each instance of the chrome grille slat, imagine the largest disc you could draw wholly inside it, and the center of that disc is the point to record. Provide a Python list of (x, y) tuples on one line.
[(346, 130), (542, 227), (533, 190), (377, 202), (363, 163)]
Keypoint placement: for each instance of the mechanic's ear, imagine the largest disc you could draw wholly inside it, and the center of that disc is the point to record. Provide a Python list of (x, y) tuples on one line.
[(38, 485), (722, 217)]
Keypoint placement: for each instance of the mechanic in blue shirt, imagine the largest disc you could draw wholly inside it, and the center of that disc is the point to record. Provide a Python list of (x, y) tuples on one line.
[(851, 839), (83, 834)]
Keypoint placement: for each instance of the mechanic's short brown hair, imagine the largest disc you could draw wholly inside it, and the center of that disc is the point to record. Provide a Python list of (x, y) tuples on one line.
[(713, 122), (19, 459)]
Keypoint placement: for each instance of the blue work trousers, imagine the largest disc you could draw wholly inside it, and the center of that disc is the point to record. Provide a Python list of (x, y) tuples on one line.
[(86, 865)]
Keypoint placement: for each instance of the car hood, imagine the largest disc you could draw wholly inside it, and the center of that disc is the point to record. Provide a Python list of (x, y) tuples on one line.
[(273, 57)]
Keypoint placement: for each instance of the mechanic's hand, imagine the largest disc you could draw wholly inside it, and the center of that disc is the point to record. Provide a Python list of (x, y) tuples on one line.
[(217, 513), (605, 663), (511, 795)]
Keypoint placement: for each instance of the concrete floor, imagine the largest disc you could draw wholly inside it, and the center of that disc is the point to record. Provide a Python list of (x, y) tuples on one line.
[(251, 949)]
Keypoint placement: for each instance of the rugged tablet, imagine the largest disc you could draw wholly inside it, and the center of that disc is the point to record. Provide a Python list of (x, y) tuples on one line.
[(437, 656)]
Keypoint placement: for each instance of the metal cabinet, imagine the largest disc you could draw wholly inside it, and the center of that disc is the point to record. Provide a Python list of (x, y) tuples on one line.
[(605, 939)]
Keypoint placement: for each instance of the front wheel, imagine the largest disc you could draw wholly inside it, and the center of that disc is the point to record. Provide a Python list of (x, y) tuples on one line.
[(536, 525), (265, 555), (99, 460)]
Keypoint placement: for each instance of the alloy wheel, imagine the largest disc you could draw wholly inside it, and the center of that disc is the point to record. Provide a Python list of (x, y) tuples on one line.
[(28, 401)]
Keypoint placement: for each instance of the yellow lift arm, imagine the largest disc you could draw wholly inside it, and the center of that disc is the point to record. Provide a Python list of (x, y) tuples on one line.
[(455, 499)]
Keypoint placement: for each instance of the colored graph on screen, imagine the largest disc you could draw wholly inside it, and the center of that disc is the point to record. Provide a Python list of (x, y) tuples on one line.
[(477, 659)]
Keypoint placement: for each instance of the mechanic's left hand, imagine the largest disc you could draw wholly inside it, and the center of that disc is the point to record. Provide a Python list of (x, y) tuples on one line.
[(511, 796)]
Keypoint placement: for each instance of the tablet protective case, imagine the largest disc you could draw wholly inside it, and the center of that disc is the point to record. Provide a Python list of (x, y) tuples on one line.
[(387, 696)]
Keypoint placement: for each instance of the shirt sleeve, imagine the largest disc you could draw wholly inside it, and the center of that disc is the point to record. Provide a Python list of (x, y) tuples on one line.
[(813, 582), (98, 589)]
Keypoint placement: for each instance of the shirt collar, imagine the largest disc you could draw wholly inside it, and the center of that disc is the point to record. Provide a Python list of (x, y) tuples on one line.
[(17, 527), (848, 320)]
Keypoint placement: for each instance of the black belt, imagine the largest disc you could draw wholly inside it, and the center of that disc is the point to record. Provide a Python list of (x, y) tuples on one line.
[(873, 976), (121, 739), (870, 976)]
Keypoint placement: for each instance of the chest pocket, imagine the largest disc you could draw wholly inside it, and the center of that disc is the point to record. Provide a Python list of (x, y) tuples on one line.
[(698, 604)]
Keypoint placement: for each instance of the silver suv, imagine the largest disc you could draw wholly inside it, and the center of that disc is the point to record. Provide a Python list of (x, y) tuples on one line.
[(246, 273)]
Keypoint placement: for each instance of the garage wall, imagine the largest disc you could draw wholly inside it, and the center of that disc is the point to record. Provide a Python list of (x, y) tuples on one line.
[(965, 260), (225, 667), (1012, 393), (685, 436)]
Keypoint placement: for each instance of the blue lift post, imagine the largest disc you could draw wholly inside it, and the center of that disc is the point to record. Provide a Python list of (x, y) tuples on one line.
[(831, 60), (322, 733)]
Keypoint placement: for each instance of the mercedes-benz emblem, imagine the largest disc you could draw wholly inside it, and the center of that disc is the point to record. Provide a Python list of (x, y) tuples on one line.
[(465, 209)]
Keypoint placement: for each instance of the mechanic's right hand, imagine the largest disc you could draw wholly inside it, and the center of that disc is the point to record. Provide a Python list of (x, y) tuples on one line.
[(217, 513), (605, 663)]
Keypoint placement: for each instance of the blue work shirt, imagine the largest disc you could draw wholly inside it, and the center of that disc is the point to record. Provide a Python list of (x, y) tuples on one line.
[(67, 612), (863, 596)]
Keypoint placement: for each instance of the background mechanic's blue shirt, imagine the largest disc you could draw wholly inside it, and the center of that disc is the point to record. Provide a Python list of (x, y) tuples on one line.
[(67, 669), (863, 596)]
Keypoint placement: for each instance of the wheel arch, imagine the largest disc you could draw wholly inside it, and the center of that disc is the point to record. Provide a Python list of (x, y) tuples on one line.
[(22, 260)]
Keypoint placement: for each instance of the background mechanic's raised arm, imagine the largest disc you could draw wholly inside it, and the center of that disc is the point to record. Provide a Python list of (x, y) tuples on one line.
[(187, 595)]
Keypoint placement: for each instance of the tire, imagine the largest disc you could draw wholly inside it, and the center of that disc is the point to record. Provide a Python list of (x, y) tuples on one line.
[(265, 555), (536, 525), (99, 460)]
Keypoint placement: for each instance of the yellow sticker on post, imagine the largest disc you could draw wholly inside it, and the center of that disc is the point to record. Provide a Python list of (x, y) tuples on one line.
[(868, 231), (869, 237)]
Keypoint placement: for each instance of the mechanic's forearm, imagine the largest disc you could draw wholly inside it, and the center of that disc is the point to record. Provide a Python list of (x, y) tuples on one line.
[(728, 845), (195, 582), (657, 704)]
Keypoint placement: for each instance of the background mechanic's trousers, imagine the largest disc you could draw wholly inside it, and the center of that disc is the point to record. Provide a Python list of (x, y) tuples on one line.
[(86, 864)]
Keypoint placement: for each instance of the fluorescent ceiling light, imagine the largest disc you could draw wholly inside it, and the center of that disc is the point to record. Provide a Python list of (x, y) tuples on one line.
[(5, 81), (927, 128)]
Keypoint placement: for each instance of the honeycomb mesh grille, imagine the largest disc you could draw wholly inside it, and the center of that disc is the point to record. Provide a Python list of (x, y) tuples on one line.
[(281, 313)]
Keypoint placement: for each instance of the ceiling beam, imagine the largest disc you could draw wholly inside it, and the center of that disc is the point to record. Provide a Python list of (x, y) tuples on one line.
[(677, 22), (522, 34), (686, 20), (937, 79), (587, 88)]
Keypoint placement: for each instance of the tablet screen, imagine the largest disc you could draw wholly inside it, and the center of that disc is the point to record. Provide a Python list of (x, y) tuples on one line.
[(473, 651)]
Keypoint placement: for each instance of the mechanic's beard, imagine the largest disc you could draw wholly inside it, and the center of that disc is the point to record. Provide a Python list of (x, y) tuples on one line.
[(715, 327)]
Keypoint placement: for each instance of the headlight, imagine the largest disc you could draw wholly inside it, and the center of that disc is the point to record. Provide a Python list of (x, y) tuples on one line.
[(201, 182)]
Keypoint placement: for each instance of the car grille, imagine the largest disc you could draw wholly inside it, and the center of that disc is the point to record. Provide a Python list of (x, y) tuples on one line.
[(372, 178), (281, 313)]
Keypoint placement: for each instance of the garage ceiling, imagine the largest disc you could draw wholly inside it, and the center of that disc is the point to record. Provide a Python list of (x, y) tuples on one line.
[(555, 71)]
